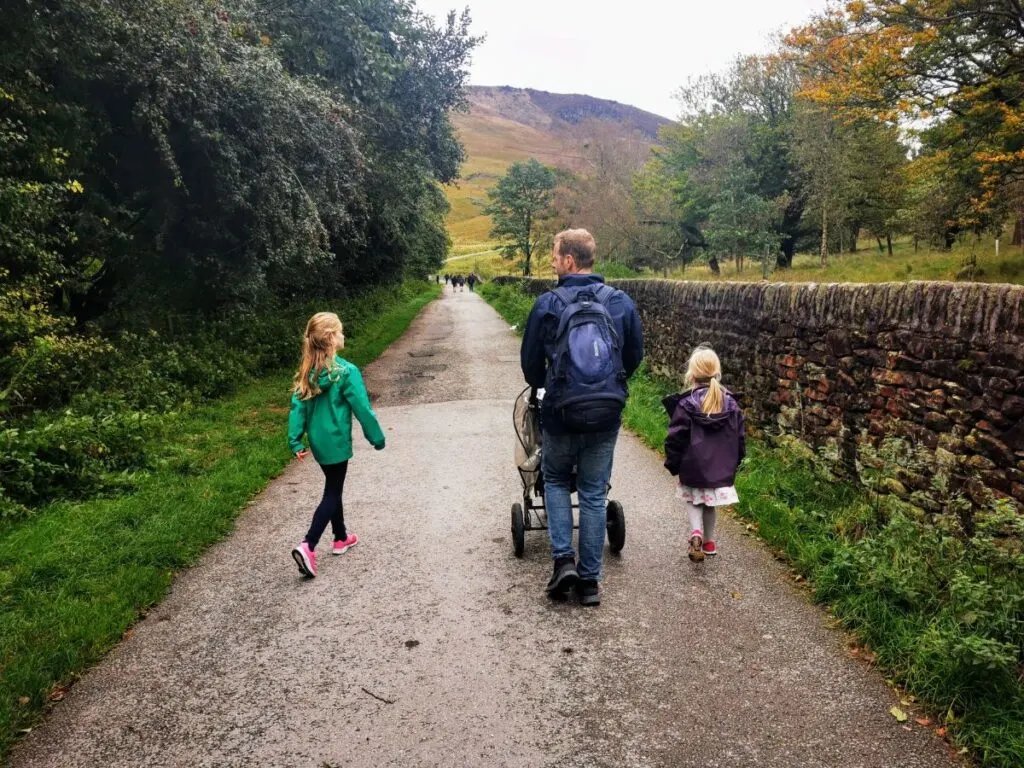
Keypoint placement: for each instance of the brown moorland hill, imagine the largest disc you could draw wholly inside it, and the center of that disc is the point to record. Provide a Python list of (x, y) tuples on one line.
[(505, 125)]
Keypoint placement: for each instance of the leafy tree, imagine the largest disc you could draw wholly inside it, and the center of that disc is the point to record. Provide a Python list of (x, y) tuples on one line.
[(955, 65), (520, 206), (224, 154), (878, 163), (759, 93), (819, 145)]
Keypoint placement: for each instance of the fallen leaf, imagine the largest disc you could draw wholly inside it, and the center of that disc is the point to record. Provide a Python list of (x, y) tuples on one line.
[(906, 728), (899, 714), (58, 694), (941, 732), (23, 700), (736, 595), (923, 721)]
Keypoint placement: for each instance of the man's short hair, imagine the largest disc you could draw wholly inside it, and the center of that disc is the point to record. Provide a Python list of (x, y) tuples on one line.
[(579, 244)]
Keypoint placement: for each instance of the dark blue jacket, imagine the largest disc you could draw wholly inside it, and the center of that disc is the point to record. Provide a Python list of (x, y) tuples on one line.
[(539, 336)]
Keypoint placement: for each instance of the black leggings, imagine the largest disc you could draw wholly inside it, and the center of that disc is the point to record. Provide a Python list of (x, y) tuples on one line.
[(330, 509)]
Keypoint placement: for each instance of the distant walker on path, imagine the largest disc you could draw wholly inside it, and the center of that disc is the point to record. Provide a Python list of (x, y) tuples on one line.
[(582, 342)]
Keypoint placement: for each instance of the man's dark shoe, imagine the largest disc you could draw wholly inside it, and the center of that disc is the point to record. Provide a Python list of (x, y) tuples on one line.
[(564, 577), (588, 592)]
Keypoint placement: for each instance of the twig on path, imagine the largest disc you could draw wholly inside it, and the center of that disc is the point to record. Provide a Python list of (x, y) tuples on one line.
[(378, 698)]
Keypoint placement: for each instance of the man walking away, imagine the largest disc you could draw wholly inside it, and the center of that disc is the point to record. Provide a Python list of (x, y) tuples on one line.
[(472, 280), (582, 342)]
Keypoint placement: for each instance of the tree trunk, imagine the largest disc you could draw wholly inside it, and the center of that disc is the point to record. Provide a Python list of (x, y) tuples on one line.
[(1018, 231), (888, 241), (881, 248), (713, 265), (915, 243), (854, 234), (824, 237), (950, 237), (784, 259)]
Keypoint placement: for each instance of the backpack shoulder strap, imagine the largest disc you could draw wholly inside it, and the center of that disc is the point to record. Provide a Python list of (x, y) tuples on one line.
[(564, 294), (604, 292)]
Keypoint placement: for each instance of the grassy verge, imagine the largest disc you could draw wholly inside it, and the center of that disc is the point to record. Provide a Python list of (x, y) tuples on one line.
[(938, 610), (865, 266), (869, 266), (75, 576)]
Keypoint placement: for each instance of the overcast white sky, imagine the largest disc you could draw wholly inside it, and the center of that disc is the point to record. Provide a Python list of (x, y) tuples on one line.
[(634, 51)]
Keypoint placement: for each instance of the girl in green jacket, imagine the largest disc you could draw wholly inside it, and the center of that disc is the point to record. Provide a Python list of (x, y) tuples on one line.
[(328, 391)]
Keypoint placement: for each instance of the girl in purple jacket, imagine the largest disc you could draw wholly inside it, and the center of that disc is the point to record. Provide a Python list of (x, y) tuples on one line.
[(704, 447)]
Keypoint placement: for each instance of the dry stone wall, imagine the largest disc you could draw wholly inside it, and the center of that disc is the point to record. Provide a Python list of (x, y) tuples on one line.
[(939, 365)]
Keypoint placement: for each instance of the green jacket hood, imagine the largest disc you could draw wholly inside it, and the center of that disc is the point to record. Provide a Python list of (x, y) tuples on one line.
[(328, 377)]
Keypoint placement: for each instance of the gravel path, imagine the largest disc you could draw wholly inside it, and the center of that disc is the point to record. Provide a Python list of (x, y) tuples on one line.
[(429, 644)]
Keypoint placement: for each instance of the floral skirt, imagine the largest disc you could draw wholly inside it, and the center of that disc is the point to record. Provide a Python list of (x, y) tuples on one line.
[(711, 497)]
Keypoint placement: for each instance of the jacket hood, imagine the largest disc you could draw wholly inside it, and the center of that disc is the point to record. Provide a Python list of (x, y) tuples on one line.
[(691, 400), (328, 376)]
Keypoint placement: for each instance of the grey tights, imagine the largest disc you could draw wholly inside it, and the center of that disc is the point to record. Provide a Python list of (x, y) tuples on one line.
[(702, 519)]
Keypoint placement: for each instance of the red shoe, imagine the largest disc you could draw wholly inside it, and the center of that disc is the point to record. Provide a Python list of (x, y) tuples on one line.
[(710, 549), (343, 546), (305, 558)]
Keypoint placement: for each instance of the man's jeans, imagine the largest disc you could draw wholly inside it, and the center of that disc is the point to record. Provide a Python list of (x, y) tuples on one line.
[(591, 455)]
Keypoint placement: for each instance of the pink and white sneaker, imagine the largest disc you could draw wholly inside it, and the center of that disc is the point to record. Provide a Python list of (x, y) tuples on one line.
[(710, 549), (305, 558), (343, 546)]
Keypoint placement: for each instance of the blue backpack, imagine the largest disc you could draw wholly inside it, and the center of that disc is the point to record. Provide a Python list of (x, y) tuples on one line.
[(586, 383)]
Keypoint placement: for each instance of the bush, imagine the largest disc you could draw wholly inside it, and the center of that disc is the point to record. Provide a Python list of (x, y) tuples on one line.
[(86, 409)]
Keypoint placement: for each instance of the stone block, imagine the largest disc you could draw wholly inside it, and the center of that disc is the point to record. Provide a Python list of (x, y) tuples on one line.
[(937, 421), (1013, 407), (935, 399), (979, 463), (896, 378)]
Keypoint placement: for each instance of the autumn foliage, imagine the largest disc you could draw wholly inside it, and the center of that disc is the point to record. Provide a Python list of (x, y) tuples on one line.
[(950, 70)]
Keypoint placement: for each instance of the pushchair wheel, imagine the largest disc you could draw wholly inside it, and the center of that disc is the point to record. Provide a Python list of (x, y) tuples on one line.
[(616, 527), (518, 529)]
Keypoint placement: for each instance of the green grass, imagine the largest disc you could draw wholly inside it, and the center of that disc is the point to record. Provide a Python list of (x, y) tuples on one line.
[(76, 576), (940, 613), (867, 265)]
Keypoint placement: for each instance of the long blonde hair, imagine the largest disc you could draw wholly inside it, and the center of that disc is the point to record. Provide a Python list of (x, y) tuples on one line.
[(705, 369), (319, 345)]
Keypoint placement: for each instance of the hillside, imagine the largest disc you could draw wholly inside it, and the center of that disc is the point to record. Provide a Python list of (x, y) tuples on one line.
[(507, 124)]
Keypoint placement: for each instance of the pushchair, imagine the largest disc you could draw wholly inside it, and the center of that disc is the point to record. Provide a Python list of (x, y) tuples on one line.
[(531, 515)]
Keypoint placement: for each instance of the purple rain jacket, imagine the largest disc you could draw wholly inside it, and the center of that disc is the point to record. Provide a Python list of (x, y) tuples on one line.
[(703, 449)]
